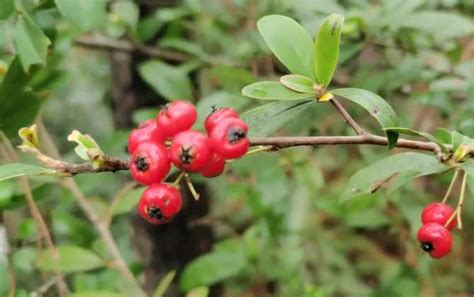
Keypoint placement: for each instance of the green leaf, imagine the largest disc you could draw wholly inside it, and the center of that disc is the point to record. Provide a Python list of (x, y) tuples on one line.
[(468, 167), (168, 81), (290, 43), (30, 42), (443, 135), (211, 268), (127, 12), (391, 173), (127, 202), (326, 48), (164, 284), (459, 139), (96, 294), (70, 259), (198, 292), (376, 106), (272, 90), (408, 131), (266, 119), (12, 170), (442, 25), (6, 8), (87, 148), (298, 83), (84, 14)]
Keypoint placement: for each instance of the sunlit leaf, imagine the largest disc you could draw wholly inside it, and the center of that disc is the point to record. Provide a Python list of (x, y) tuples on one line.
[(290, 43), (298, 83), (326, 49), (84, 14), (272, 90)]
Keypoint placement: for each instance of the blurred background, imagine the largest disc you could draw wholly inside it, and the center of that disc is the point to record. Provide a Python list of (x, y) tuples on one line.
[(273, 224)]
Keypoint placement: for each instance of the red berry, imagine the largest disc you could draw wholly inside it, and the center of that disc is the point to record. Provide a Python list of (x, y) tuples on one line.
[(149, 163), (228, 138), (438, 213), (159, 203), (435, 240), (147, 131), (215, 167), (190, 151), (218, 115), (176, 117)]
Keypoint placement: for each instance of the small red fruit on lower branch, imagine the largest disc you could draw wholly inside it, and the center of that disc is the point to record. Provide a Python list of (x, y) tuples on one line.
[(149, 163), (176, 117), (147, 131), (435, 240), (190, 151), (215, 167), (438, 213), (229, 138), (159, 203), (218, 115)]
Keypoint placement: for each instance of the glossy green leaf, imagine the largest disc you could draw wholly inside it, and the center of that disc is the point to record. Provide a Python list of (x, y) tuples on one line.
[(376, 106), (290, 43), (12, 170), (408, 131), (84, 14), (30, 42), (211, 268), (391, 173), (169, 81), (128, 202), (266, 119), (298, 83), (272, 90), (443, 135), (6, 8), (164, 284), (96, 294), (458, 139), (70, 259), (326, 48)]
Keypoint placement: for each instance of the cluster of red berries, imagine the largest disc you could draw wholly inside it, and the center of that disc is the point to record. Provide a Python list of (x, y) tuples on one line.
[(434, 236), (168, 139)]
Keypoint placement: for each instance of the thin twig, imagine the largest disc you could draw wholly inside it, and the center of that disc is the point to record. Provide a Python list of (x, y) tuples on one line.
[(347, 117), (90, 213), (458, 211), (9, 154), (115, 200), (104, 43)]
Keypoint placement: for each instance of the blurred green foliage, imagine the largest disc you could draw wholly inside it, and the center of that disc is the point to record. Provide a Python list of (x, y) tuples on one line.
[(279, 225)]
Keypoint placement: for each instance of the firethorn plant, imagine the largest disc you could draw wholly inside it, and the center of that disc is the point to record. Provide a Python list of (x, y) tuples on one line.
[(228, 135)]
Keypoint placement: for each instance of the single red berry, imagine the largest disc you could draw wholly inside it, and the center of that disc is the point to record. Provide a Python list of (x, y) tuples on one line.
[(147, 131), (435, 240), (159, 203), (438, 213), (176, 117), (149, 163), (190, 151), (218, 115), (215, 167), (229, 138)]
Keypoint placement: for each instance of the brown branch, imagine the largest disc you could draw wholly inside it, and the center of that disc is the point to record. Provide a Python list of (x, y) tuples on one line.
[(104, 43), (273, 143), (347, 117)]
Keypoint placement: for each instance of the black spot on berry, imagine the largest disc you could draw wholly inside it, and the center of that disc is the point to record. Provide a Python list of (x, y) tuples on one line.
[(427, 247), (141, 163), (235, 134), (155, 213), (186, 155)]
